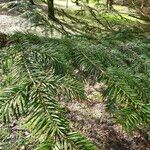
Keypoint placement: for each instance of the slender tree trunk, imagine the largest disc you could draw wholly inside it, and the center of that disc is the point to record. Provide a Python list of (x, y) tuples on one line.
[(77, 2), (32, 2), (51, 14), (66, 3), (109, 4)]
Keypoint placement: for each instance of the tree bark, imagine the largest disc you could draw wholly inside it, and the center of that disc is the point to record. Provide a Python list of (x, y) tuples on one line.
[(109, 4), (32, 2), (51, 14)]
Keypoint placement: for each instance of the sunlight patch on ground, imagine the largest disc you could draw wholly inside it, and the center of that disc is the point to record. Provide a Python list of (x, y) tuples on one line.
[(9, 24)]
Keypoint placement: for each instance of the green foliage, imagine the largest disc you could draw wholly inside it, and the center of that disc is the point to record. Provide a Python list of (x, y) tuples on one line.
[(124, 67), (37, 72)]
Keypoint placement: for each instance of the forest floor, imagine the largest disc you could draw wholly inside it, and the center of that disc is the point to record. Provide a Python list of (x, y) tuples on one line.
[(9, 24), (89, 117), (10, 21)]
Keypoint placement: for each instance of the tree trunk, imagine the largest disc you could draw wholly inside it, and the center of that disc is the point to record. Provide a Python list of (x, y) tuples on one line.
[(51, 14), (109, 4), (32, 2), (77, 2)]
